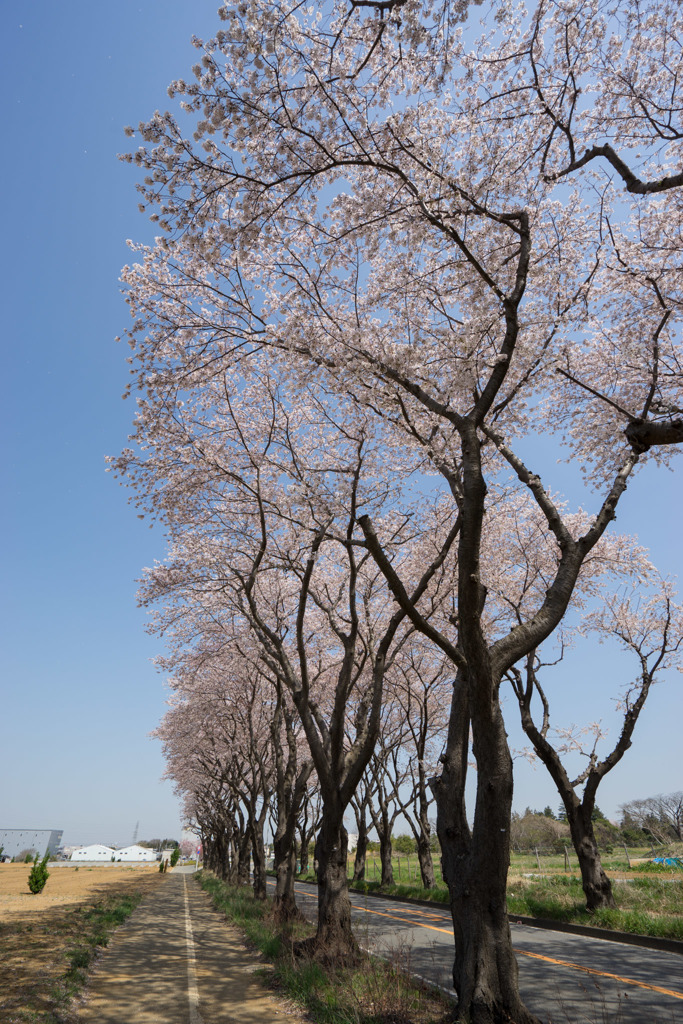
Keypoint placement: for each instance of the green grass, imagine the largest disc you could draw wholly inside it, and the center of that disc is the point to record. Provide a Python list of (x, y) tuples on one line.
[(96, 924), (660, 869), (64, 942), (375, 993)]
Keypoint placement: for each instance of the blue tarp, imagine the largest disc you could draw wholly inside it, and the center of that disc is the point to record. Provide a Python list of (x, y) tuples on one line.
[(671, 862)]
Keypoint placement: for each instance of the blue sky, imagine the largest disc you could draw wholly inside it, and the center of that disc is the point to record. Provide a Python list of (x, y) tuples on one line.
[(79, 693)]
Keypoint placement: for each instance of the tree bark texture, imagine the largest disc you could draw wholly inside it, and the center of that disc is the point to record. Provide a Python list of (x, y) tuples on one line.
[(424, 856), (474, 866), (334, 939), (285, 873), (360, 857), (259, 864), (596, 885)]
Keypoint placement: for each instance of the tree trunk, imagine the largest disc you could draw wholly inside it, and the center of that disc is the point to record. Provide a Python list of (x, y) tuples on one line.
[(475, 867), (259, 859), (243, 860), (424, 856), (222, 858), (385, 851), (231, 863), (361, 851), (596, 885), (285, 871), (209, 857), (334, 941), (306, 835)]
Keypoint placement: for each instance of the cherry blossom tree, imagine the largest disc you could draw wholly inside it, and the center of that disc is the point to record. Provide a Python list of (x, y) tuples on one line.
[(199, 766), (451, 230), (650, 626)]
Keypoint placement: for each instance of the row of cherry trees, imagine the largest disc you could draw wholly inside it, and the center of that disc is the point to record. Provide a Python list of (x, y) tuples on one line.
[(274, 611), (397, 246), (270, 585)]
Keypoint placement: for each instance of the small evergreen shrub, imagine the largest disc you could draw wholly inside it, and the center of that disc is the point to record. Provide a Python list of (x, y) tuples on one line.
[(39, 874), (175, 856)]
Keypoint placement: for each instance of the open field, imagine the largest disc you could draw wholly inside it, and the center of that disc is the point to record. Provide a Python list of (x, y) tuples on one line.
[(618, 864), (48, 939)]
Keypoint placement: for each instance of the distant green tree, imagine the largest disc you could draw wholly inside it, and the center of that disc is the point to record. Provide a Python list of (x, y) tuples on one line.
[(39, 874), (548, 812), (175, 856), (404, 844)]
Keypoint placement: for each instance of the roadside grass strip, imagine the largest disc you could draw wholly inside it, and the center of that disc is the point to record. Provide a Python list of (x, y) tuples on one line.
[(377, 991), (650, 904)]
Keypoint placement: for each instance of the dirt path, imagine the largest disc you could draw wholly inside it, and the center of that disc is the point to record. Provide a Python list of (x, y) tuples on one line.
[(176, 961)]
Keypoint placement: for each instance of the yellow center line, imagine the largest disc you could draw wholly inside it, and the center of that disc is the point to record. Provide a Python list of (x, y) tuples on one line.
[(535, 956), (602, 974)]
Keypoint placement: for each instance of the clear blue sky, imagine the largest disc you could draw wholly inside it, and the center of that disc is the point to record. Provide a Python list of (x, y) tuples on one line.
[(79, 694)]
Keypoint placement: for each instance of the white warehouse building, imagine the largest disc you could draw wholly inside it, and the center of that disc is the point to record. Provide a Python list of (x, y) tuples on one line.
[(138, 853), (94, 852), (98, 852)]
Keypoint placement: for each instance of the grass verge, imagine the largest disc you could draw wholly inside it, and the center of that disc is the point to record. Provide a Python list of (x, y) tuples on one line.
[(646, 906), (649, 904), (378, 992)]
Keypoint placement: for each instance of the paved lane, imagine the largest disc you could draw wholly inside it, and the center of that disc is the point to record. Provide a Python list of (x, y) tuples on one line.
[(176, 961), (563, 978)]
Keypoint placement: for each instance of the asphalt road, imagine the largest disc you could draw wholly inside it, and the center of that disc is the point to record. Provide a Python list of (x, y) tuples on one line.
[(564, 978)]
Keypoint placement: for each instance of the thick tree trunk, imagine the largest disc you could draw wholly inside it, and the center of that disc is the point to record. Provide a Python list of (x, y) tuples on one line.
[(424, 856), (259, 864), (209, 857), (285, 871), (475, 868), (222, 867), (385, 851), (361, 851), (334, 940), (596, 885)]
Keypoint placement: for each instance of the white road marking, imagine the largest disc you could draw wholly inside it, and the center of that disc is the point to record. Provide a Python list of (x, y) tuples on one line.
[(192, 989)]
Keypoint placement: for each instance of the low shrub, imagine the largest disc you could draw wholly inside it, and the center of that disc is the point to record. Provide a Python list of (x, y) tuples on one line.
[(38, 874)]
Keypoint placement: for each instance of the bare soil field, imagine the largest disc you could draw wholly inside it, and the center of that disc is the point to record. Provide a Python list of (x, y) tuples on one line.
[(38, 931), (67, 886)]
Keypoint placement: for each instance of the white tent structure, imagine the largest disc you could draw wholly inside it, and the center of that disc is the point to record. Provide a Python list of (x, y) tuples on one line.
[(94, 852), (134, 853)]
